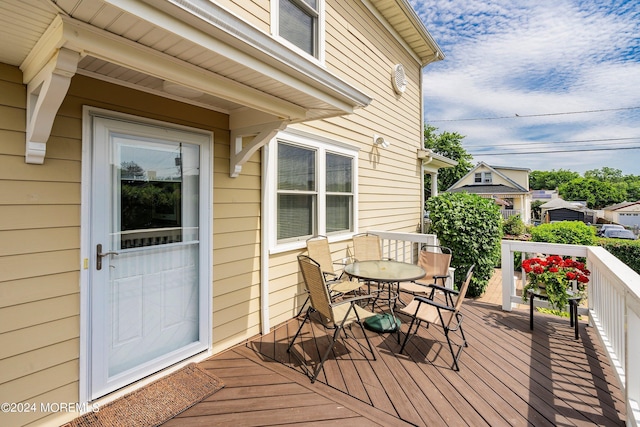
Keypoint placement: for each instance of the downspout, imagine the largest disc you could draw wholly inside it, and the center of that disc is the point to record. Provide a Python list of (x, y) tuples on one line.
[(435, 57), (422, 198), (264, 243)]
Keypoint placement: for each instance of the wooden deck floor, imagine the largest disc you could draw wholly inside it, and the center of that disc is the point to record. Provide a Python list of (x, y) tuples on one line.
[(509, 376)]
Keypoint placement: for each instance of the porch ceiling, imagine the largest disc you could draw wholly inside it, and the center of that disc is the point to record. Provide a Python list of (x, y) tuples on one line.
[(194, 51)]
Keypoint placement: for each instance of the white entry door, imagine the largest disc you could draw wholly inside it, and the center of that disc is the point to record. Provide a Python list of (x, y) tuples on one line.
[(149, 232)]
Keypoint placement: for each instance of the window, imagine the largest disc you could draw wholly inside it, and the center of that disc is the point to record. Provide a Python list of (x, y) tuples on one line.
[(299, 22), (314, 186), (482, 178)]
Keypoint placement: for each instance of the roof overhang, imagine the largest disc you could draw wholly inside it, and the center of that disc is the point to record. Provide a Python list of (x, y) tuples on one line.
[(411, 30), (432, 161), (194, 45)]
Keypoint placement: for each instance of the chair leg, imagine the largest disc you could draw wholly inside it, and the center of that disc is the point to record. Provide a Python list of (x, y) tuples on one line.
[(406, 338), (303, 306), (455, 355), (299, 329), (326, 354)]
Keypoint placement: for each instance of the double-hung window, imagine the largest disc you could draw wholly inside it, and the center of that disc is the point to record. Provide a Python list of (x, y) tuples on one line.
[(300, 23), (314, 189)]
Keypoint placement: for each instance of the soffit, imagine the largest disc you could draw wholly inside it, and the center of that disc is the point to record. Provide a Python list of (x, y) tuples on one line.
[(403, 18), (204, 50)]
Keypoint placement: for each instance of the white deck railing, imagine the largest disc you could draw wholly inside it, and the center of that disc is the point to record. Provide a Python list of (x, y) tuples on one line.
[(613, 294)]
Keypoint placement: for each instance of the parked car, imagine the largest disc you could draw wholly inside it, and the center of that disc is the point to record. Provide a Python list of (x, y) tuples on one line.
[(616, 233), (606, 227)]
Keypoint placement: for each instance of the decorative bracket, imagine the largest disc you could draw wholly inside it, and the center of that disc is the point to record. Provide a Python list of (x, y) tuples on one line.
[(45, 93), (262, 134)]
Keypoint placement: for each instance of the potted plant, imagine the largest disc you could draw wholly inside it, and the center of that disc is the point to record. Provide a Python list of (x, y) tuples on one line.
[(554, 276)]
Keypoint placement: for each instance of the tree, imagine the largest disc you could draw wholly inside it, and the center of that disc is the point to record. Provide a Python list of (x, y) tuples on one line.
[(550, 180), (471, 226), (596, 193), (605, 174), (449, 145)]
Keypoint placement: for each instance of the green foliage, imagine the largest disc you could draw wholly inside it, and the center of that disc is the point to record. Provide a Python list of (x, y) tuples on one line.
[(566, 232), (513, 226), (471, 226), (627, 251), (550, 180), (449, 145), (536, 211), (597, 194)]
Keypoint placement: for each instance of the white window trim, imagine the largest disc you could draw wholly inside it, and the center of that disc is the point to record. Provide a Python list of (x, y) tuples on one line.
[(321, 146), (275, 26)]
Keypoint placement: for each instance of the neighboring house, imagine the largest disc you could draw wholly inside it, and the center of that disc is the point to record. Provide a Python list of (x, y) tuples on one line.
[(163, 163), (562, 210), (509, 187), (625, 213), (543, 195)]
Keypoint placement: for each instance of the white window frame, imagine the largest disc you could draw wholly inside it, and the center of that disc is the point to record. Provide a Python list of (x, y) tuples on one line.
[(321, 146), (484, 178), (319, 57)]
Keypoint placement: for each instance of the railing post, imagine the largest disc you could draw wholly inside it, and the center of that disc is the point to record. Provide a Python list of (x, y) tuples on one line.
[(508, 284)]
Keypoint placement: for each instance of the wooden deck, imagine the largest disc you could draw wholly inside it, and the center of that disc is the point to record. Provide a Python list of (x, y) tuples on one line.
[(509, 376)]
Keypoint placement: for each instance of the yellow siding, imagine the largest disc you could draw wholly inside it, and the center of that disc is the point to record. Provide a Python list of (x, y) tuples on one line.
[(40, 238), (256, 12), (361, 50)]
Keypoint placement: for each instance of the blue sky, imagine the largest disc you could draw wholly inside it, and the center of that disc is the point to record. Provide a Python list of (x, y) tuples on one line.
[(537, 76)]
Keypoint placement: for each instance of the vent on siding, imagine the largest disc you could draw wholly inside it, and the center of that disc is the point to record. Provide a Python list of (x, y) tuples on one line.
[(399, 79)]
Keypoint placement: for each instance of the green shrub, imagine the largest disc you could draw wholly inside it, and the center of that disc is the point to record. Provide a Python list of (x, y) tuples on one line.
[(566, 232), (471, 226), (627, 251), (513, 226)]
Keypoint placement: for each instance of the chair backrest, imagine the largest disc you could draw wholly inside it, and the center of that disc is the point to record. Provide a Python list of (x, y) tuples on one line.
[(367, 247), (435, 261), (463, 289), (316, 286), (318, 250)]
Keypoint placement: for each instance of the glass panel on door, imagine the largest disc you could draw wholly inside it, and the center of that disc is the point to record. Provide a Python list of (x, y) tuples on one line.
[(154, 279)]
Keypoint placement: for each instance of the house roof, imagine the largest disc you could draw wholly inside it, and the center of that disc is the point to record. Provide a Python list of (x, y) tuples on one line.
[(517, 187), (621, 206), (487, 189)]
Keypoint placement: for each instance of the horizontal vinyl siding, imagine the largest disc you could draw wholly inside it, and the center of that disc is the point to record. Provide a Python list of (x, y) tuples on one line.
[(256, 12), (40, 239), (360, 50), (39, 259)]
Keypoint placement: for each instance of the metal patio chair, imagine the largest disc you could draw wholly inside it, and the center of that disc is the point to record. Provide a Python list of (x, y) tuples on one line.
[(333, 315), (422, 309), (435, 261), (338, 283)]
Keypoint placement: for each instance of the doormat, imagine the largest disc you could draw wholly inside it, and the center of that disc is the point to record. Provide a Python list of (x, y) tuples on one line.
[(155, 403)]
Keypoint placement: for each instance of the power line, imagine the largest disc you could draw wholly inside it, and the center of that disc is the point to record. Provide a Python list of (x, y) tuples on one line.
[(554, 151), (518, 116), (536, 144)]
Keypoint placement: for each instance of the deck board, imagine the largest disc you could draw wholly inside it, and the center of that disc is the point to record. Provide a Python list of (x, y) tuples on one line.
[(508, 375)]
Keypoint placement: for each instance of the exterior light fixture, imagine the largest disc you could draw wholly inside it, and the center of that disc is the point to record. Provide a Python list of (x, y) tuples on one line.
[(379, 141)]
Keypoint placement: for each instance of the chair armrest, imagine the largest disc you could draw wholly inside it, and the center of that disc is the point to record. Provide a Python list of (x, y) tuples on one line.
[(443, 289), (434, 303)]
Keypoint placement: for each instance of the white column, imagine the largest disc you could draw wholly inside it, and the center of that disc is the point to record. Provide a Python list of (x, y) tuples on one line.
[(434, 184)]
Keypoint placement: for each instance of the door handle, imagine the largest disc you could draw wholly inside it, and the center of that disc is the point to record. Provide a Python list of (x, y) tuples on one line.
[(100, 255)]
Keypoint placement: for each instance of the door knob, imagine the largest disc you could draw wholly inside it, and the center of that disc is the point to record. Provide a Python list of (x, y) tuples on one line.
[(100, 255)]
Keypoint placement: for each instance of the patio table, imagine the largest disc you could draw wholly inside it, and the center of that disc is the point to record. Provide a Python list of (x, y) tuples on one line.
[(385, 272)]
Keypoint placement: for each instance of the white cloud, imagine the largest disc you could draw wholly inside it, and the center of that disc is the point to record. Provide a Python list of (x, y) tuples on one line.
[(537, 58)]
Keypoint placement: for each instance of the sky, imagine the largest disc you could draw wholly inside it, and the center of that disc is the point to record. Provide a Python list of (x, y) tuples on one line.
[(537, 84)]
